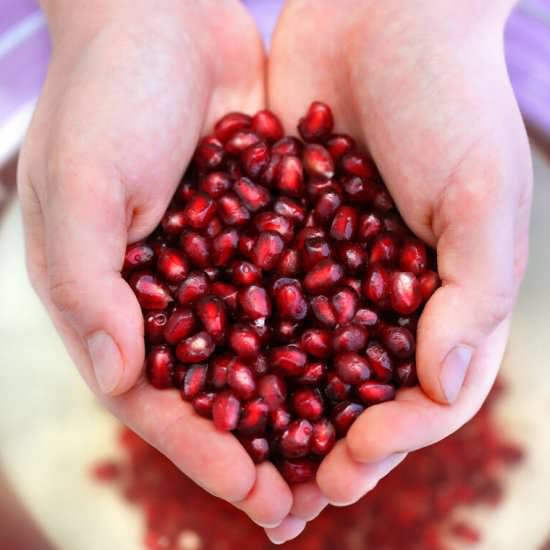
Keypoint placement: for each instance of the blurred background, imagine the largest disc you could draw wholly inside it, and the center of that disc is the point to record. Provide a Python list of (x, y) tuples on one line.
[(66, 480)]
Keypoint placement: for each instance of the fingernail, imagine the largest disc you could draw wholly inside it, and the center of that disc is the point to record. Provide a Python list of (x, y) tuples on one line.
[(454, 371), (106, 361)]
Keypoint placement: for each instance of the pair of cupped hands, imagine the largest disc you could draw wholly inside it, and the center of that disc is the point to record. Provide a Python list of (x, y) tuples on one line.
[(132, 86)]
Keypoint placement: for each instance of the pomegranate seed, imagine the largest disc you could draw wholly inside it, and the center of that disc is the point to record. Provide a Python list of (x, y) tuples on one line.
[(399, 341), (150, 292), (404, 292), (327, 206), (290, 209), (160, 366), (269, 221), (173, 221), (209, 155), (267, 250), (139, 254), (295, 439), (172, 265), (231, 210), (323, 277), (217, 370), (376, 286), (192, 288), (227, 292), (256, 447), (178, 374), (428, 283), (318, 122), (196, 348), (335, 389), (323, 437), (290, 301), (231, 124), (289, 176), (254, 301), (307, 233), (197, 248), (226, 410), (313, 375), (317, 342), (380, 362), (213, 316), (370, 225), (214, 227), (244, 341), (199, 210), (287, 146), (288, 360), (365, 317), (315, 250), (349, 338), (352, 368), (267, 177), (255, 159), (179, 325), (286, 331), (194, 382), (373, 392), (298, 470), (254, 197), (215, 184), (344, 414), (353, 256), (267, 125), (413, 257), (224, 246), (357, 165), (272, 389), (240, 379), (240, 141), (339, 144), (153, 327), (202, 404), (279, 419), (384, 249), (344, 304), (323, 311), (289, 264), (317, 161), (308, 403), (253, 417), (405, 373)]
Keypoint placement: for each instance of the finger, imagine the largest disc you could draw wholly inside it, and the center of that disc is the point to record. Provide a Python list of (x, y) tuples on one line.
[(414, 420), (270, 499), (289, 529), (308, 501), (344, 481)]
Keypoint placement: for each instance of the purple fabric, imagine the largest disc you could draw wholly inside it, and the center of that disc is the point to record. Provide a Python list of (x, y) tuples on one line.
[(13, 11)]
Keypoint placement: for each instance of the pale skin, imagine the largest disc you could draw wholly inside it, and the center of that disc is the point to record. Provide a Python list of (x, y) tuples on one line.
[(130, 89)]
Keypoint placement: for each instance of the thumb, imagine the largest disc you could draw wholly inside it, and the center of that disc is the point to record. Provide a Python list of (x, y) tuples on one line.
[(475, 229), (85, 232)]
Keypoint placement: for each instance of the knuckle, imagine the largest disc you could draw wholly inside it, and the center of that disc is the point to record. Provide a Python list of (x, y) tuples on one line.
[(65, 294), (498, 306)]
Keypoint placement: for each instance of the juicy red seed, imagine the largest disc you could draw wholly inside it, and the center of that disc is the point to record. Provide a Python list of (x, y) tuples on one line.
[(259, 365), (326, 206), (246, 244), (150, 292), (289, 264), (199, 210), (295, 439), (173, 221), (267, 177), (287, 146), (139, 254), (353, 256), (308, 403), (244, 341), (298, 470), (254, 302), (196, 348), (226, 410), (193, 288), (382, 199), (317, 161), (352, 368), (172, 265), (405, 373), (214, 227), (373, 392), (209, 155), (355, 164), (267, 125), (409, 322), (290, 302), (365, 317), (256, 447), (344, 414), (317, 342), (286, 331), (231, 124), (217, 370), (315, 250), (370, 225), (359, 190), (413, 257), (344, 304), (313, 375), (180, 325), (279, 419), (289, 208), (269, 221), (178, 374), (160, 366), (233, 168), (272, 389), (253, 417), (354, 283), (428, 282), (384, 249), (215, 184), (318, 186), (323, 437), (289, 176), (339, 144), (318, 122), (253, 196), (197, 248), (224, 246), (335, 389), (194, 382), (376, 286), (227, 292), (213, 316), (404, 292), (323, 277), (267, 250), (349, 338), (245, 273), (153, 327), (232, 211), (380, 361), (399, 341), (240, 141), (255, 159), (202, 404), (240, 379), (344, 224), (306, 233), (288, 360), (323, 311)]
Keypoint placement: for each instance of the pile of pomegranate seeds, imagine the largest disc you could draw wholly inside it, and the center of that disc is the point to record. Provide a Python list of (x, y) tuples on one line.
[(413, 508), (281, 290)]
